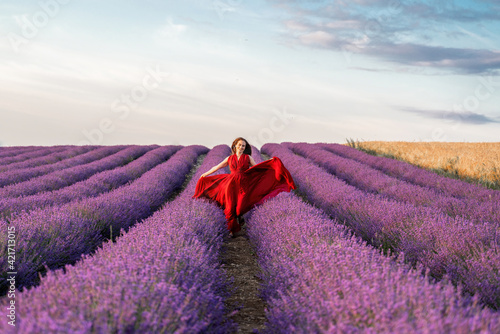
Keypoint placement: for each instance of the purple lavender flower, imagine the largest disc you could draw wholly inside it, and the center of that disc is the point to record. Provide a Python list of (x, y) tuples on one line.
[(100, 160), (375, 181), (163, 275), (11, 155), (416, 175), (319, 278), (59, 235), (446, 245), (15, 173), (99, 183)]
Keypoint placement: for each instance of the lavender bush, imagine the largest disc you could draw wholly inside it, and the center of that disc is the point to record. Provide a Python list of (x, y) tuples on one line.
[(372, 180), (51, 155), (447, 246), (56, 236), (97, 184), (70, 158), (163, 273), (11, 151), (103, 159), (318, 278), (162, 276), (416, 175), (9, 155)]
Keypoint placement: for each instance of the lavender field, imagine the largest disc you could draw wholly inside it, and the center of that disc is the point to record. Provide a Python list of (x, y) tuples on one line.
[(107, 239)]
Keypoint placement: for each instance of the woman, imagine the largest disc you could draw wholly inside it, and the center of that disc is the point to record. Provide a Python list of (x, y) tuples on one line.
[(248, 184)]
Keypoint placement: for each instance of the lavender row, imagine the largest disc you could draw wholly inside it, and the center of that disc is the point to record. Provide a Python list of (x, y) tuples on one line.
[(372, 180), (447, 246), (12, 179), (70, 158), (51, 155), (16, 154), (93, 186), (102, 159), (416, 175), (10, 151), (318, 278), (162, 276), (59, 235)]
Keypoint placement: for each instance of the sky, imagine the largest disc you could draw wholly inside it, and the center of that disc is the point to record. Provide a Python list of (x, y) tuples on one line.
[(109, 72)]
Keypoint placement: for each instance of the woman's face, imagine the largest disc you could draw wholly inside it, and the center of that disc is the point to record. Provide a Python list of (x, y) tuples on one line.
[(240, 147)]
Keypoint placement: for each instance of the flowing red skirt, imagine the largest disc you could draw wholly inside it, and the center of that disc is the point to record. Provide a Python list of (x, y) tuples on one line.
[(240, 191)]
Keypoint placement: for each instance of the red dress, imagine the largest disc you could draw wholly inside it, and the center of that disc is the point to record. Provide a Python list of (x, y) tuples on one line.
[(245, 187)]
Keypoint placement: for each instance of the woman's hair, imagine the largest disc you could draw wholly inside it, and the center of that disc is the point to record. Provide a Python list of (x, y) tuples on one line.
[(248, 148)]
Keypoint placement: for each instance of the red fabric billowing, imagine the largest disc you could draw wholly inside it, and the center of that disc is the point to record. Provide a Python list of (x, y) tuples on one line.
[(245, 187)]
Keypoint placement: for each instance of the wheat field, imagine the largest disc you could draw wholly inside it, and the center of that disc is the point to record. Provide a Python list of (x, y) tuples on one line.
[(475, 162)]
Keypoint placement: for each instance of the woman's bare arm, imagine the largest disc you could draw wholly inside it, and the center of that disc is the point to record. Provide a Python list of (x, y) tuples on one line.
[(216, 168), (252, 161)]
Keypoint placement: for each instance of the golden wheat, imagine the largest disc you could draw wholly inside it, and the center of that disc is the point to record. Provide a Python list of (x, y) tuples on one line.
[(472, 161)]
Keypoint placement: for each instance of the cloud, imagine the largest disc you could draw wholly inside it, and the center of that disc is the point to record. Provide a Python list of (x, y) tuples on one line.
[(462, 117), (421, 34), (463, 60)]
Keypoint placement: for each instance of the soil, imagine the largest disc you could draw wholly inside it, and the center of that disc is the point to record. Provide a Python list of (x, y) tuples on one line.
[(240, 262)]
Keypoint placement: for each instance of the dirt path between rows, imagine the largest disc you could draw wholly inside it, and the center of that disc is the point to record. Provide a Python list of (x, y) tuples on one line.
[(240, 262)]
